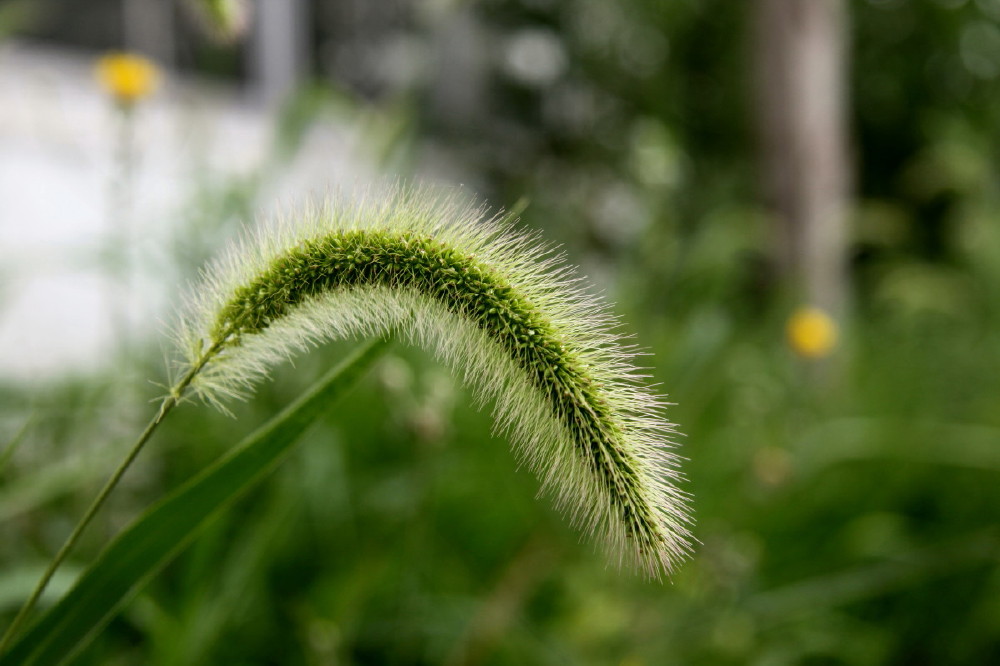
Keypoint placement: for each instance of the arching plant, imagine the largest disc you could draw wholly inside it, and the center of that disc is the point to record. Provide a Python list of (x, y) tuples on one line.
[(494, 304)]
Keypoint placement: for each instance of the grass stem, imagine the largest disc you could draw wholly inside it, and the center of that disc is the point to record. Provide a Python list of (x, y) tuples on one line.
[(168, 403)]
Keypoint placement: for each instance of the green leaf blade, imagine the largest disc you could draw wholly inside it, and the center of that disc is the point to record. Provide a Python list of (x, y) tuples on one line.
[(144, 548)]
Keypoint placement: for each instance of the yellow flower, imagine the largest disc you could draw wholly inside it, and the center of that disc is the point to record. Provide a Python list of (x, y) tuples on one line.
[(811, 332), (127, 77)]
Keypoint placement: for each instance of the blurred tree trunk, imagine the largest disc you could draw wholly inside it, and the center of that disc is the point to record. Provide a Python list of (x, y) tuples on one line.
[(800, 52), (148, 27), (279, 53)]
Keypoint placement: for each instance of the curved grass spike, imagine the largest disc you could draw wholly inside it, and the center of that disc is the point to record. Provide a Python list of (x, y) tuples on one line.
[(498, 307)]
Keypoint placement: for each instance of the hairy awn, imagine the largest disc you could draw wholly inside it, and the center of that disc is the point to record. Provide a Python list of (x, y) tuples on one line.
[(497, 306), (494, 303)]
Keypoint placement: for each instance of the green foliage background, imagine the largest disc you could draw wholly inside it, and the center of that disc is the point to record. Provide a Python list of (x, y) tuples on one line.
[(847, 513)]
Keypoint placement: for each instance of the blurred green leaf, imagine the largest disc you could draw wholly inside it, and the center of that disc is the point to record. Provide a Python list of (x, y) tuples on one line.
[(7, 452), (155, 538), (17, 583), (30, 491)]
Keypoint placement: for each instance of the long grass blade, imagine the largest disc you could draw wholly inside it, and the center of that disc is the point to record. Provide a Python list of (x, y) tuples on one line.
[(164, 530)]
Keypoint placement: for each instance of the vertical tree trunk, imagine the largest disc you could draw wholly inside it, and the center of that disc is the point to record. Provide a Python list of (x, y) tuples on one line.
[(800, 49), (279, 48), (148, 27)]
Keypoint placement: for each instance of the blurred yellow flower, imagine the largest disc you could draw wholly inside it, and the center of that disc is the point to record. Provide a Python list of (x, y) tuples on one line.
[(127, 77), (811, 332)]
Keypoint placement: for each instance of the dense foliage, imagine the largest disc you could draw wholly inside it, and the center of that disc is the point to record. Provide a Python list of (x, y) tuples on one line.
[(847, 509)]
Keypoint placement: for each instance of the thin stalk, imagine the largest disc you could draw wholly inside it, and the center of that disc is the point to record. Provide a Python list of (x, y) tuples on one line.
[(120, 215), (169, 402), (15, 441)]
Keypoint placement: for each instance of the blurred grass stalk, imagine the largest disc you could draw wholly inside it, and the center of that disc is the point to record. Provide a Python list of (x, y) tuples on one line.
[(121, 238), (166, 406), (127, 79), (152, 540)]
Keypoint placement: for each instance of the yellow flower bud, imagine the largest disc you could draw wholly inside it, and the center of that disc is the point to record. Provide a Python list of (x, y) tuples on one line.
[(811, 332), (127, 77)]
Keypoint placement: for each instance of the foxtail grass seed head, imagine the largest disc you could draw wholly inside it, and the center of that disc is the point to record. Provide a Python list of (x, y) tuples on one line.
[(494, 304)]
